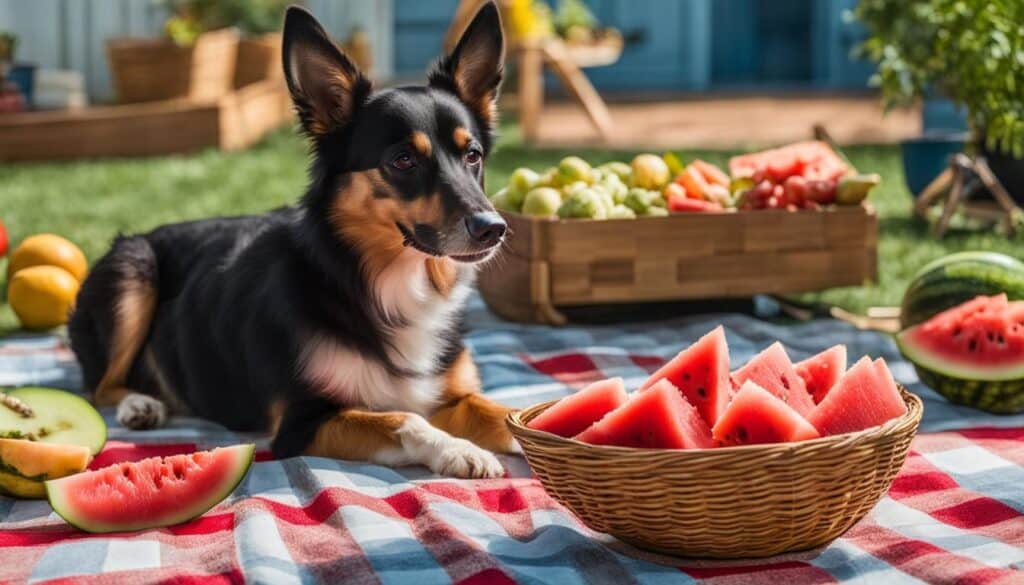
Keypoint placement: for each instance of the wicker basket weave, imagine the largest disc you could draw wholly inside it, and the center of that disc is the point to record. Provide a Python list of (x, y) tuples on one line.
[(734, 502)]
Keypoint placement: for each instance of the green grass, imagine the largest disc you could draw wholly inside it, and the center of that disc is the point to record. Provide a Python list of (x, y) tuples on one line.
[(90, 202)]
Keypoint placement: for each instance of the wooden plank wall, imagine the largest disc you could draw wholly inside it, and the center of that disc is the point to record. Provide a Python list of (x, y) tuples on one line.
[(70, 34)]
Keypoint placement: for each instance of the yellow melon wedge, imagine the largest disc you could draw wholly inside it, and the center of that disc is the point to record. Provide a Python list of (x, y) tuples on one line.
[(25, 465)]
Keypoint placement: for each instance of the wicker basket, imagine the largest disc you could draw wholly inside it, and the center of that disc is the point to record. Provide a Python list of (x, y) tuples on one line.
[(733, 502), (153, 69)]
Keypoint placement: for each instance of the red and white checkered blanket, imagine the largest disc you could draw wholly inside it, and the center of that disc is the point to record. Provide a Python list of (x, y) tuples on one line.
[(954, 514)]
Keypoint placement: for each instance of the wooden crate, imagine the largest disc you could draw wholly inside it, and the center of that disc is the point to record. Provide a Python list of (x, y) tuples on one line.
[(560, 263), (234, 121)]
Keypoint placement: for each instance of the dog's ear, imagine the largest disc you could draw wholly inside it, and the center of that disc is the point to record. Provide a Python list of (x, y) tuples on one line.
[(326, 87), (473, 70)]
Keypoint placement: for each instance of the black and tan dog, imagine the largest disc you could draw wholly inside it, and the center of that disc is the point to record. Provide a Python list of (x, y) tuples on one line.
[(334, 323)]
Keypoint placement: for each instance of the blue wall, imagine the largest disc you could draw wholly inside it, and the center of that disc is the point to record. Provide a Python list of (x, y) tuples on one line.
[(689, 44)]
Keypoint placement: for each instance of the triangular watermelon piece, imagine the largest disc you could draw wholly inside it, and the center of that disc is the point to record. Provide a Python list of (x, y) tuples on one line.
[(821, 372), (866, 396), (573, 414), (772, 370), (756, 416), (659, 418), (701, 372)]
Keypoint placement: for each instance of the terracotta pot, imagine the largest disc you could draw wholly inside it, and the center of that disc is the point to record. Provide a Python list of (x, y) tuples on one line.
[(151, 69), (259, 59)]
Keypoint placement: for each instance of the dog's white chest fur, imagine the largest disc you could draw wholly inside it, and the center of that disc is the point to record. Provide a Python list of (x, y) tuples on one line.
[(406, 296)]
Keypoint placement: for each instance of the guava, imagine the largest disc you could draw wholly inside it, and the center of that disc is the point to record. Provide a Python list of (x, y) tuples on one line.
[(650, 172), (542, 202), (574, 168)]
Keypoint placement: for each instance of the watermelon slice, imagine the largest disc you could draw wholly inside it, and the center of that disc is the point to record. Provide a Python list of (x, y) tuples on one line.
[(812, 160), (160, 491), (756, 416), (658, 418), (701, 373), (572, 415), (866, 396), (821, 372), (772, 370), (982, 339)]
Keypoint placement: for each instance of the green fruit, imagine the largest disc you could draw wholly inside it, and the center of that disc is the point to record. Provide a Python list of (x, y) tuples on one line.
[(951, 280), (853, 189), (522, 181), (585, 204), (549, 178), (621, 212), (503, 201), (542, 202), (620, 169), (653, 211), (641, 200), (650, 172), (574, 168), (59, 417)]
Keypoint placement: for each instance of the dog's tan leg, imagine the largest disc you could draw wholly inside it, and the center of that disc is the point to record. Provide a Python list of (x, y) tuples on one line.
[(133, 316), (469, 414), (401, 438)]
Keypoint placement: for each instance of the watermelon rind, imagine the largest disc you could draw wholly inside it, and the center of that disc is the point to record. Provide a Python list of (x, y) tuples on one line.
[(1005, 397), (954, 279), (944, 366), (243, 459), (66, 417)]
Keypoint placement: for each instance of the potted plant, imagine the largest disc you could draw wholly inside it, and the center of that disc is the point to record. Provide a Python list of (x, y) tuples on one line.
[(968, 51), (259, 50), (17, 80), (195, 59)]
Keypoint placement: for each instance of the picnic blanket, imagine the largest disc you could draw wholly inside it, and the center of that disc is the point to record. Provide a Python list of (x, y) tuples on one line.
[(954, 514)]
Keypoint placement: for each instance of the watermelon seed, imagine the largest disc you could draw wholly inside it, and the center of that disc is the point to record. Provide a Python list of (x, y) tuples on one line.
[(785, 381), (686, 376), (702, 392), (957, 332), (973, 345), (742, 433)]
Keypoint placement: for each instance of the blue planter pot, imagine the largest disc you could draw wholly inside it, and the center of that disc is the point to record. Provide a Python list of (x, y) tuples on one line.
[(927, 156), (23, 76)]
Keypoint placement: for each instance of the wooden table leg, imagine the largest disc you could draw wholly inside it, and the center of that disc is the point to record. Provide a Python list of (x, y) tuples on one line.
[(574, 79), (531, 91), (952, 202)]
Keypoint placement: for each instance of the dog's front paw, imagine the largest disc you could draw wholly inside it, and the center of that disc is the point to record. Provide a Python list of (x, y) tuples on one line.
[(460, 458), (140, 412)]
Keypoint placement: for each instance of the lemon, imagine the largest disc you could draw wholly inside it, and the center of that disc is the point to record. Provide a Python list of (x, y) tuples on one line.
[(48, 250), (42, 296)]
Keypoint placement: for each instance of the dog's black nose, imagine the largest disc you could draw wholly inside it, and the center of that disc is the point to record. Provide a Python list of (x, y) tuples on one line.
[(486, 228)]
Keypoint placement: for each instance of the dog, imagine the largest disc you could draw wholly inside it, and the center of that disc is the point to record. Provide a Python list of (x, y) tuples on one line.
[(333, 324)]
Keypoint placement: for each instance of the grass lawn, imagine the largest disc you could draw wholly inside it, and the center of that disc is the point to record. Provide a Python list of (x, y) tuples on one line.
[(89, 202)]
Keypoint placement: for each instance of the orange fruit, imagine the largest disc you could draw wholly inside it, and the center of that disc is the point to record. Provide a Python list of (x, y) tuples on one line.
[(42, 296), (48, 250)]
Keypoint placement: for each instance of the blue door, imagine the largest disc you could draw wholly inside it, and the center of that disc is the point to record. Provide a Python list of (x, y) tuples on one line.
[(419, 32), (835, 39)]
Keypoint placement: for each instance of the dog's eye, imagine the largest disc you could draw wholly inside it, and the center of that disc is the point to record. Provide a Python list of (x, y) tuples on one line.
[(403, 161), (473, 157)]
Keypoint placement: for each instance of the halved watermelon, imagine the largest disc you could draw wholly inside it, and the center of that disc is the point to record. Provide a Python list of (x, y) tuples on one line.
[(821, 372), (772, 370), (572, 415), (701, 373), (866, 396), (974, 341), (812, 160), (160, 491), (658, 418), (756, 416)]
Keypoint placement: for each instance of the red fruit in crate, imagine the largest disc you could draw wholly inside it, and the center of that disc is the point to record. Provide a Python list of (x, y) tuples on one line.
[(795, 190), (822, 191), (685, 204), (3, 240)]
